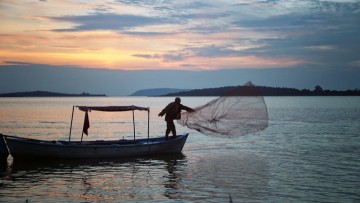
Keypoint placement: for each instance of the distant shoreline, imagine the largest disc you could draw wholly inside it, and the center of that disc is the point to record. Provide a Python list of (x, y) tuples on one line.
[(49, 94), (253, 90)]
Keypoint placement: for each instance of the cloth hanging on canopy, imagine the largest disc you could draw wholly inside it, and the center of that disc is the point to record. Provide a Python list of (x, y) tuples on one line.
[(86, 125)]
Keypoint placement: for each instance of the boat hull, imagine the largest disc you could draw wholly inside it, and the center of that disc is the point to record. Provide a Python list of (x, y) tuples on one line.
[(4, 153), (24, 148)]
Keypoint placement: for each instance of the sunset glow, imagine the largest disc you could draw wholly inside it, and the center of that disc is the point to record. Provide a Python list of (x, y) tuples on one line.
[(132, 35), (185, 36)]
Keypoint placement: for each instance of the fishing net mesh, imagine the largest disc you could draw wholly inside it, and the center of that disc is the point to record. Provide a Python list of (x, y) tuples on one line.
[(239, 112)]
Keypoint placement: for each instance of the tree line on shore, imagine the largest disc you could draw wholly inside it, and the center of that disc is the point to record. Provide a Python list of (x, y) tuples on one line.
[(49, 94), (265, 91)]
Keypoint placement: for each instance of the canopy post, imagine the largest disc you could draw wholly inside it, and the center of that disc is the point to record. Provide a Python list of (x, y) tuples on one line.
[(134, 122), (72, 117), (82, 135), (149, 123)]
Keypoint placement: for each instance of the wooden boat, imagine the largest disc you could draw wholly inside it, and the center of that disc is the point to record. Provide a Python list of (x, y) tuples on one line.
[(25, 148)]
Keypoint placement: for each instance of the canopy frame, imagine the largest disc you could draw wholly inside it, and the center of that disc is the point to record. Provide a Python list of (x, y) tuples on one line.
[(111, 109)]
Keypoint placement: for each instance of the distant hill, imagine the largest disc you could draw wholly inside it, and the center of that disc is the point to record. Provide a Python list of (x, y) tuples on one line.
[(157, 91), (49, 94), (265, 91)]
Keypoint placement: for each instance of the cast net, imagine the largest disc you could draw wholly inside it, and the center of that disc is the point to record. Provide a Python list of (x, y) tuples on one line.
[(239, 112)]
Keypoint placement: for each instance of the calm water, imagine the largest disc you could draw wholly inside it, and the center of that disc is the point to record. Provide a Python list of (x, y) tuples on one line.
[(309, 153)]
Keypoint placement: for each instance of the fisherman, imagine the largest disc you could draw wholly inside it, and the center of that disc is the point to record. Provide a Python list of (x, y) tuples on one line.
[(173, 112)]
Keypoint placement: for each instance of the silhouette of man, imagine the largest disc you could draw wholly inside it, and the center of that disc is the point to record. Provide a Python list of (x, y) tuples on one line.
[(173, 111)]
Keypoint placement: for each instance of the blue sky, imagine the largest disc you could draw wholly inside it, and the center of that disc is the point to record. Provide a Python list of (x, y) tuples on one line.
[(178, 44)]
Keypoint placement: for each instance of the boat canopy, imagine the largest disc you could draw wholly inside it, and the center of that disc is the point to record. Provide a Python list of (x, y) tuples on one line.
[(87, 109), (112, 108)]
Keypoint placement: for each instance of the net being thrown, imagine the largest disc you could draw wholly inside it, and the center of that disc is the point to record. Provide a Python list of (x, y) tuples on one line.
[(239, 112)]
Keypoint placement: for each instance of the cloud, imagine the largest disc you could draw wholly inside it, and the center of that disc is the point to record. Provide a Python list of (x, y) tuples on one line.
[(321, 47), (356, 64), (106, 21), (214, 51), (147, 34), (177, 34), (319, 32), (17, 63), (174, 57), (147, 56)]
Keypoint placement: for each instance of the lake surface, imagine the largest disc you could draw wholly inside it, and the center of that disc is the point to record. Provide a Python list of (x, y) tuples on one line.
[(309, 153)]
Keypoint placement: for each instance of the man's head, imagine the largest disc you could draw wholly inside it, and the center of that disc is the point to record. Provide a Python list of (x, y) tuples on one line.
[(177, 100)]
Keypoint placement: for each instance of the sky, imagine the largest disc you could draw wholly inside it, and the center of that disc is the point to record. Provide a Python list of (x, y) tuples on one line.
[(121, 46)]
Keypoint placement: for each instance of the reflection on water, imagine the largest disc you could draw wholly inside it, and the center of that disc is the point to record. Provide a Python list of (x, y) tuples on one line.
[(93, 180), (208, 178), (239, 174), (247, 178)]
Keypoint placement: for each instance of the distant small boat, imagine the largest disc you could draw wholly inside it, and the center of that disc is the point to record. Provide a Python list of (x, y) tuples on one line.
[(25, 148)]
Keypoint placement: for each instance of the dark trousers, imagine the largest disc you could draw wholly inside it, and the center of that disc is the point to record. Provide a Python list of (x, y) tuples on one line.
[(170, 127)]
